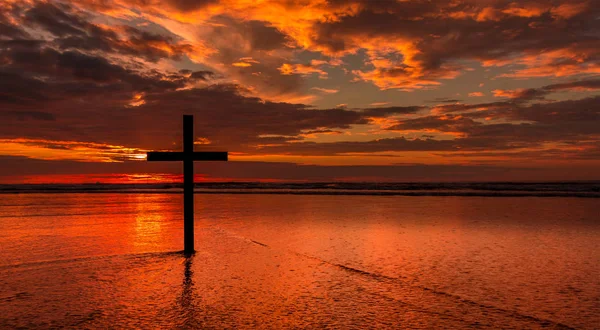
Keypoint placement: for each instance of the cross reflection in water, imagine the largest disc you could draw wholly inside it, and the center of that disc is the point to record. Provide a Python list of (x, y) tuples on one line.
[(186, 301)]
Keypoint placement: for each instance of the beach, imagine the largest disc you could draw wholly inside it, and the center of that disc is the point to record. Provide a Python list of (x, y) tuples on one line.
[(112, 260)]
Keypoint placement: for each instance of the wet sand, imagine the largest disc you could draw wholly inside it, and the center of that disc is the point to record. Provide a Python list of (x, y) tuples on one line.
[(272, 261)]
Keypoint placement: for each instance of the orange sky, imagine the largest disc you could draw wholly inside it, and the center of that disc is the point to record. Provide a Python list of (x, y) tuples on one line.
[(474, 88)]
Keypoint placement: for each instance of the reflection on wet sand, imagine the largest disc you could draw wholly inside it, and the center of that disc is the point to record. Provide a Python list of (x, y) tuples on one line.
[(187, 306), (150, 219)]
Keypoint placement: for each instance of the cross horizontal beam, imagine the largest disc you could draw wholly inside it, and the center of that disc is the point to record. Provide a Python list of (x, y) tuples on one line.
[(167, 156)]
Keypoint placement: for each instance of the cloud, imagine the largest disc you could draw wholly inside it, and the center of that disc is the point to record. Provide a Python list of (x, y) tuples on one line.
[(408, 44), (73, 31), (85, 97), (230, 119), (345, 147), (203, 75), (78, 76), (301, 69), (579, 58), (69, 150), (457, 125), (387, 111), (414, 45), (325, 90), (443, 100), (476, 94), (464, 107), (9, 29), (522, 93), (262, 36), (581, 85), (72, 72), (525, 94), (516, 125), (321, 131)]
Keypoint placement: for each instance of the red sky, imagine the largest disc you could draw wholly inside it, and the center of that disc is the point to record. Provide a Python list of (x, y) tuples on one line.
[(301, 90)]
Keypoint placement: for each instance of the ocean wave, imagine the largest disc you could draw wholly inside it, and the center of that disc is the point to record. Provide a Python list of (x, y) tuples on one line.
[(492, 189)]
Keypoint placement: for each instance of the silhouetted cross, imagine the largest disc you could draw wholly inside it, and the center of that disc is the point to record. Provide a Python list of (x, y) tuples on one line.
[(188, 156)]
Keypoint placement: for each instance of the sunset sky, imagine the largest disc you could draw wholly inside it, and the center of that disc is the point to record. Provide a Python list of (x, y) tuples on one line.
[(316, 90)]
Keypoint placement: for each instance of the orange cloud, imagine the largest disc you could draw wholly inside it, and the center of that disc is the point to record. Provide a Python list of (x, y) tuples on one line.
[(399, 65), (558, 63), (403, 78), (137, 100), (301, 69), (245, 62), (508, 93), (325, 90), (525, 9), (69, 150), (568, 10)]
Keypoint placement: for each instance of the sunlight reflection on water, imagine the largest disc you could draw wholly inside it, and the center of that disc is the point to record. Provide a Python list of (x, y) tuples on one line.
[(104, 260)]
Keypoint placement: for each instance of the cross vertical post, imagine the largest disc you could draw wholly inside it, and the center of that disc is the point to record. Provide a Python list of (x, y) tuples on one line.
[(188, 156), (188, 184)]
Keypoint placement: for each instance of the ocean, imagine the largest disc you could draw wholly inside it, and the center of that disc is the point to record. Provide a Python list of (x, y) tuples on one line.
[(341, 255)]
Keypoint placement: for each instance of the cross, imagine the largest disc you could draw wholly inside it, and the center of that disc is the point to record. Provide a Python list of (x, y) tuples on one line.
[(188, 156)]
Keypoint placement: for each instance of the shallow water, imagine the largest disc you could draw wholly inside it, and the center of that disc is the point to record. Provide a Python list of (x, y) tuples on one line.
[(272, 261)]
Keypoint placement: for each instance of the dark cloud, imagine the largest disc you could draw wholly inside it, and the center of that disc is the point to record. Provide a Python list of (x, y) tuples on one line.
[(188, 5), (571, 152), (386, 111), (322, 131), (74, 32), (262, 36), (563, 113), (18, 90), (229, 119), (537, 94), (254, 41), (444, 100), (520, 98), (73, 66), (202, 75), (339, 148), (447, 123), (590, 84), (488, 137), (53, 17), (523, 126)]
